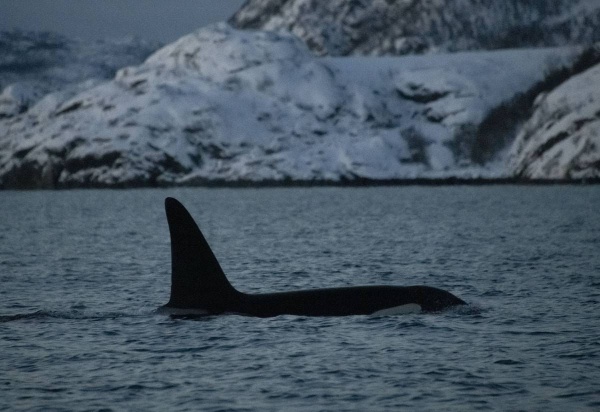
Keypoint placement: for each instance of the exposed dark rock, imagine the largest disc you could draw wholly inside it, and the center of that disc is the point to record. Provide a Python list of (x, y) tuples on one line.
[(343, 27)]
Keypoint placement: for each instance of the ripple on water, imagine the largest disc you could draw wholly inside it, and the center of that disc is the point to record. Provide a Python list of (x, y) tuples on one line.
[(78, 329)]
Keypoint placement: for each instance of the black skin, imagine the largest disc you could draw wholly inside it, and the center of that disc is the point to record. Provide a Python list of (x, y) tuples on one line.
[(198, 282), (359, 300)]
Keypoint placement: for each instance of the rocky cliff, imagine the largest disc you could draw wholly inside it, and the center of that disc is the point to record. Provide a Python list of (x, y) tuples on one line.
[(561, 140), (230, 105), (380, 27), (253, 106)]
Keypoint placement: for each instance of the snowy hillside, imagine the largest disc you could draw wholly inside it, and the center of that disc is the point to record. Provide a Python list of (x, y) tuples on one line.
[(562, 138), (228, 105), (380, 27), (33, 64)]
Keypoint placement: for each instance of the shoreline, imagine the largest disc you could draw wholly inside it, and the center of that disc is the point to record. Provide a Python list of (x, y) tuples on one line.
[(356, 182)]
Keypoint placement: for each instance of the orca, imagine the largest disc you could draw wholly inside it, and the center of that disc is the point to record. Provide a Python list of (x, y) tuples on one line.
[(199, 286)]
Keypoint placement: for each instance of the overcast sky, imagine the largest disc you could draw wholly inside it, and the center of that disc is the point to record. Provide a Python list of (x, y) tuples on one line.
[(163, 20)]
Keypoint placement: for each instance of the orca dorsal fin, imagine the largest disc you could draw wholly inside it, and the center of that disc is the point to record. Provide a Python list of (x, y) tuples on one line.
[(197, 280)]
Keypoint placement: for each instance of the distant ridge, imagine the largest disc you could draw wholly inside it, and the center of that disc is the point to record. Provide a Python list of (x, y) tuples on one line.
[(368, 27)]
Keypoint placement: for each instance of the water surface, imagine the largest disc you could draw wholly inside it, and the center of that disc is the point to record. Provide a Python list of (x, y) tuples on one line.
[(83, 271)]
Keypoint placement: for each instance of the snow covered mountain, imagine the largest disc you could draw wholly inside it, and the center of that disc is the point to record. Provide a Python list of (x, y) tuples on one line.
[(562, 138), (235, 105), (381, 27), (33, 64)]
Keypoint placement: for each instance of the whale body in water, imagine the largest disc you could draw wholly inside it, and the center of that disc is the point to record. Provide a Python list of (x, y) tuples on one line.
[(199, 286)]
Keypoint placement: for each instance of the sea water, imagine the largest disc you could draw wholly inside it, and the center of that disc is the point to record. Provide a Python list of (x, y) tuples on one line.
[(82, 273)]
